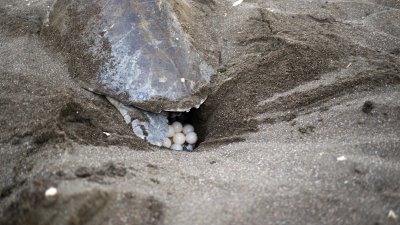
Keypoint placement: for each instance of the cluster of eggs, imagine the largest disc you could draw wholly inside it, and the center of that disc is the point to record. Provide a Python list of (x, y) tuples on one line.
[(180, 137)]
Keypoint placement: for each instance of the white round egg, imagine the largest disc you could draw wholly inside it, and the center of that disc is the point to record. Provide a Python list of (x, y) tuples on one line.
[(187, 129), (179, 138), (167, 143), (171, 131), (191, 138), (190, 147), (177, 147), (177, 126)]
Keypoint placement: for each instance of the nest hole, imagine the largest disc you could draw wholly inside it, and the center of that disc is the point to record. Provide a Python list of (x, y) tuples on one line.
[(195, 118)]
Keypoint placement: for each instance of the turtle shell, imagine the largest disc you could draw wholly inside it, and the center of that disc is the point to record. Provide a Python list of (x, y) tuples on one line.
[(136, 51)]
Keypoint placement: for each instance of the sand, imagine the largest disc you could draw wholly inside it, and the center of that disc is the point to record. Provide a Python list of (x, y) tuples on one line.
[(302, 126)]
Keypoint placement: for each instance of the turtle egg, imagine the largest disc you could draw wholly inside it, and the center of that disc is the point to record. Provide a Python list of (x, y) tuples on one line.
[(167, 143), (187, 129), (189, 147), (171, 131), (179, 138), (177, 147), (177, 126), (191, 138)]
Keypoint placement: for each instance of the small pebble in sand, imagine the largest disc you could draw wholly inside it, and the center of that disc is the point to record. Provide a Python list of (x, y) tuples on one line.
[(177, 147), (341, 158), (191, 138), (187, 129), (237, 3), (368, 107), (167, 143), (52, 191), (177, 126), (179, 138), (392, 215), (171, 131)]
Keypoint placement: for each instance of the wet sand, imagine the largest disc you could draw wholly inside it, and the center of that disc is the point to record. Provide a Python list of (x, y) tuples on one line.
[(302, 126)]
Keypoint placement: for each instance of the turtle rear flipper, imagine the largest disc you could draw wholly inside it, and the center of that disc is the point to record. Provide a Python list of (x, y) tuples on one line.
[(151, 127)]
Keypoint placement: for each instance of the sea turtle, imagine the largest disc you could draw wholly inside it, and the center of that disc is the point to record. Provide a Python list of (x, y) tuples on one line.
[(138, 53)]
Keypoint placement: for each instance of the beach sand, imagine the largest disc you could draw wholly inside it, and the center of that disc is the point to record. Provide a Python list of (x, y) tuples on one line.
[(302, 125)]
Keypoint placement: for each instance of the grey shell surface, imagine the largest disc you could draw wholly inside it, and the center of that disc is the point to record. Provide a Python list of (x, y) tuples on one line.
[(135, 51)]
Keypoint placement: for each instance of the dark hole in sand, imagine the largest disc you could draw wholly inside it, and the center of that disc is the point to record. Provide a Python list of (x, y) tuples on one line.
[(195, 118)]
